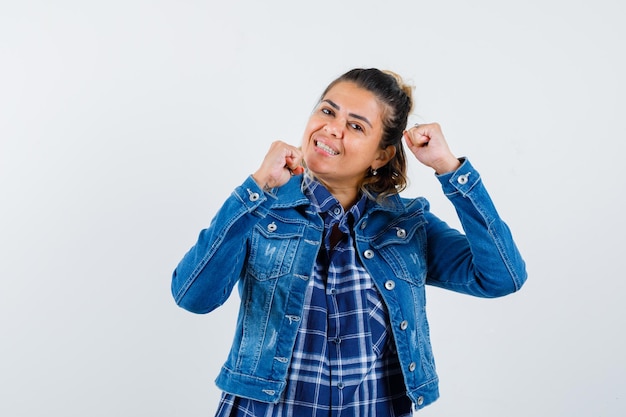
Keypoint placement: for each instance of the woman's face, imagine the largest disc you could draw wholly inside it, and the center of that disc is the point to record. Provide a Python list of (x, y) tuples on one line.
[(341, 141)]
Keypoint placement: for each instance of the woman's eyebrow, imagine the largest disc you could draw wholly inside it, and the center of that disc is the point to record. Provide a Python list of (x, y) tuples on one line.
[(356, 116)]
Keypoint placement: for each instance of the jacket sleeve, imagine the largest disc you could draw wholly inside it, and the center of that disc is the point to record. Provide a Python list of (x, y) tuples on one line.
[(206, 275), (484, 261)]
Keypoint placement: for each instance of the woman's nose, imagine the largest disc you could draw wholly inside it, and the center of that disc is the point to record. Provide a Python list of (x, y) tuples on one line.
[(335, 128)]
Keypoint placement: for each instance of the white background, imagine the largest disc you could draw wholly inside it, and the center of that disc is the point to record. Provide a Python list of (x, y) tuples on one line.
[(125, 124)]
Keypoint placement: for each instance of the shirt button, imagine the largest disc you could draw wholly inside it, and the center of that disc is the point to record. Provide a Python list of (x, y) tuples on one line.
[(337, 211), (340, 385), (412, 366), (390, 285), (254, 196), (369, 254), (420, 400), (462, 179), (404, 325), (401, 233), (272, 227)]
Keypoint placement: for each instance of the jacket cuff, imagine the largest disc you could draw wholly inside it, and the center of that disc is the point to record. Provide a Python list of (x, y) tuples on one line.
[(462, 180), (250, 194)]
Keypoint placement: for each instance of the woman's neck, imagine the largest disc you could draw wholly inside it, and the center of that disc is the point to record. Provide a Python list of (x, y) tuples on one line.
[(347, 196)]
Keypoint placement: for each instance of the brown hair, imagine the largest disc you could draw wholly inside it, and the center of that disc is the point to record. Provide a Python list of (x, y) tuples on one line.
[(396, 99)]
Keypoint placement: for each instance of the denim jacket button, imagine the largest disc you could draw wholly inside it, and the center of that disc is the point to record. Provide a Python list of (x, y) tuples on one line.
[(369, 254), (462, 179), (390, 285), (272, 227), (412, 367), (420, 400), (404, 325), (254, 196), (401, 233), (363, 225)]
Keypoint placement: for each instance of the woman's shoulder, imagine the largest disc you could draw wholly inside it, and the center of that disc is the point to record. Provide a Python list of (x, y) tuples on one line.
[(415, 203), (398, 205)]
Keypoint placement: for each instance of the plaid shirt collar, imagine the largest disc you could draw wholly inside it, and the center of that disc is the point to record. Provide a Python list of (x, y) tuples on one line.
[(326, 204)]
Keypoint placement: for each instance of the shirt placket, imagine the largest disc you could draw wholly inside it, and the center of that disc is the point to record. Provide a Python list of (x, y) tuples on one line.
[(334, 316)]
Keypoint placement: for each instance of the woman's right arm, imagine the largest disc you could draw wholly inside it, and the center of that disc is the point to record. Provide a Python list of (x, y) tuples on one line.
[(206, 275)]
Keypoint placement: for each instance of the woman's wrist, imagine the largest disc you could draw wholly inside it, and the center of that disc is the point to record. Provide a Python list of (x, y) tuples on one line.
[(447, 166), (261, 181)]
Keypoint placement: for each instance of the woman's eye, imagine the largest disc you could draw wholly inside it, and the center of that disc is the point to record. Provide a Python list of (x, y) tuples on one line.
[(356, 127), (327, 111)]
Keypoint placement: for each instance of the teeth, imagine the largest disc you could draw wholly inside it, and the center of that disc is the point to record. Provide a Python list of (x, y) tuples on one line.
[(326, 148)]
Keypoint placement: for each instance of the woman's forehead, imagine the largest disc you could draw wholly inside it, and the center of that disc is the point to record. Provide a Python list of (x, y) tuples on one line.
[(353, 98)]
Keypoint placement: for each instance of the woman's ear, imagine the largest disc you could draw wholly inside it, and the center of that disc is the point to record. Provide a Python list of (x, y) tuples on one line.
[(384, 156)]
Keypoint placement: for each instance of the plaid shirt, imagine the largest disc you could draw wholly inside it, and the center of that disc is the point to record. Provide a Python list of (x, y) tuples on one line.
[(344, 362)]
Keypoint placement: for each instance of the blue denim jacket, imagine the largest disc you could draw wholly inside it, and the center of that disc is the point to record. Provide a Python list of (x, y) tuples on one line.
[(268, 244)]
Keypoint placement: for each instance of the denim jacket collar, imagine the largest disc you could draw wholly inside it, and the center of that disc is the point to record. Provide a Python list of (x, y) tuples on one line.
[(296, 197)]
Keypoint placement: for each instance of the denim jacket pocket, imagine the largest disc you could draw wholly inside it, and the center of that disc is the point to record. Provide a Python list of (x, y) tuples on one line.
[(273, 246), (403, 246)]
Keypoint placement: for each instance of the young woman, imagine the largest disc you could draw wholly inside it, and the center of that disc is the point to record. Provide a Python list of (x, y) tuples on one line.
[(331, 262)]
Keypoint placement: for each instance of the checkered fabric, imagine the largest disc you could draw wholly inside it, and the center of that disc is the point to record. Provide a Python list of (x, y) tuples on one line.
[(344, 362)]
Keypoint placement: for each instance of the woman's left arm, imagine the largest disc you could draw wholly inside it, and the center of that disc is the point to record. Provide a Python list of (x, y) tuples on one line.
[(485, 260)]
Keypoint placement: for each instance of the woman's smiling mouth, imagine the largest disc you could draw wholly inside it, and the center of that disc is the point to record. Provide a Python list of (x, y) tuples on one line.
[(326, 148)]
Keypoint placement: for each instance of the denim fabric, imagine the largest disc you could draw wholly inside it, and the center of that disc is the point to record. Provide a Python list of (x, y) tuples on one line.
[(267, 243)]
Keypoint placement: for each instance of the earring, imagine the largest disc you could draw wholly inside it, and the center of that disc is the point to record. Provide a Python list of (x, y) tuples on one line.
[(374, 171)]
